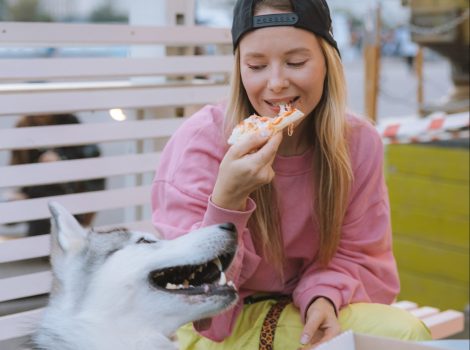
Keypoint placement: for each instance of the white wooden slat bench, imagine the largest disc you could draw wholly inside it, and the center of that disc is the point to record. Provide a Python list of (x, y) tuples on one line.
[(442, 324), (155, 89)]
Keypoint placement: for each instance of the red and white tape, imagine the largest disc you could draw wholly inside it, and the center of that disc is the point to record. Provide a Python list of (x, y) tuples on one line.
[(436, 127)]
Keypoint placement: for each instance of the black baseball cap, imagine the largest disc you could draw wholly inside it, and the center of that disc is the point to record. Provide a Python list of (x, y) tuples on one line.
[(311, 15)]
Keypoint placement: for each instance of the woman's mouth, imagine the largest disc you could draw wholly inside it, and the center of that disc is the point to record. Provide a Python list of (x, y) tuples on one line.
[(274, 104)]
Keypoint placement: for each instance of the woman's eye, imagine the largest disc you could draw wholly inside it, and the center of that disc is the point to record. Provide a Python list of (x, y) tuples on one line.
[(256, 66), (296, 64)]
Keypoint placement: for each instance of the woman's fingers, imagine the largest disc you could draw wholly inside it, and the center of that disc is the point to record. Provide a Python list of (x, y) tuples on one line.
[(329, 333), (321, 324), (311, 327), (266, 154), (248, 145), (245, 167)]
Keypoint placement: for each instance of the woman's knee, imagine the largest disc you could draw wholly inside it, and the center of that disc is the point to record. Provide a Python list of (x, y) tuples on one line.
[(383, 320)]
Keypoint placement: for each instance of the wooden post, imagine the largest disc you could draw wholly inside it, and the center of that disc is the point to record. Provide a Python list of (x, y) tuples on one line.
[(419, 76), (372, 66)]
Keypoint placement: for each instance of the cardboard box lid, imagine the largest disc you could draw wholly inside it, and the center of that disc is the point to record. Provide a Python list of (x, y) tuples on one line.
[(351, 341)]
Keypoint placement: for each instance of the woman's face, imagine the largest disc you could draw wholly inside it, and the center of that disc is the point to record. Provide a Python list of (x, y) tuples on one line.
[(282, 65)]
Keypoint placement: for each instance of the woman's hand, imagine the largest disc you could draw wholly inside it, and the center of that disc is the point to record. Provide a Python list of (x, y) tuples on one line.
[(321, 323), (246, 166)]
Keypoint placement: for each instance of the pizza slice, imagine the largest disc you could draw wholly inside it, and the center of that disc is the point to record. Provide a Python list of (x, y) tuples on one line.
[(254, 124)]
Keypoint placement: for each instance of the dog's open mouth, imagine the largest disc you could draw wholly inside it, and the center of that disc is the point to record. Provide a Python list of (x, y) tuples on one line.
[(207, 278)]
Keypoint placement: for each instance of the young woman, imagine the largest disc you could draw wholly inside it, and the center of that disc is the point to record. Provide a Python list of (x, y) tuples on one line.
[(311, 209)]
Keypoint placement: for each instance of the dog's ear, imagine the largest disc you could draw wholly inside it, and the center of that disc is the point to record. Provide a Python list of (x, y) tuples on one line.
[(66, 231)]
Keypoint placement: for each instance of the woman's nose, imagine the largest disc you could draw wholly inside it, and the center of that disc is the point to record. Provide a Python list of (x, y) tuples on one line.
[(277, 82)]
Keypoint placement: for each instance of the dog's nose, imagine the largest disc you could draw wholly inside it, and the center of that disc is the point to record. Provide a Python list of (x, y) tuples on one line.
[(228, 226)]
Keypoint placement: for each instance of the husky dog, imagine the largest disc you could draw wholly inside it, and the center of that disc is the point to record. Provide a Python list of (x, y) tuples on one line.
[(129, 290)]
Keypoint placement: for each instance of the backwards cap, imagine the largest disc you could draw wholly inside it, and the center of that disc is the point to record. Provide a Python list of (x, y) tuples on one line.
[(311, 15)]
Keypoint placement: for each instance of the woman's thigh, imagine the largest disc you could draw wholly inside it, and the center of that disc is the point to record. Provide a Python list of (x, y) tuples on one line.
[(384, 321), (366, 318), (245, 334)]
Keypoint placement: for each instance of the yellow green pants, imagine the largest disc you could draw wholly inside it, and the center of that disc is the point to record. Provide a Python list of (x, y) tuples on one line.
[(366, 318)]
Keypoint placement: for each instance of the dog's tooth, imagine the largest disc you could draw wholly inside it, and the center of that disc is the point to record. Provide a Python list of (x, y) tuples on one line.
[(217, 262), (186, 283), (206, 288), (223, 279), (231, 284), (171, 286), (180, 286)]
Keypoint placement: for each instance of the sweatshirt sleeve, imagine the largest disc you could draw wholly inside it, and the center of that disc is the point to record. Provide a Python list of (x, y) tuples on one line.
[(181, 202), (363, 268)]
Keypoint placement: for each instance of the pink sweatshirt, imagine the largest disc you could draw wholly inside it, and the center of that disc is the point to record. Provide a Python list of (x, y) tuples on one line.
[(363, 269)]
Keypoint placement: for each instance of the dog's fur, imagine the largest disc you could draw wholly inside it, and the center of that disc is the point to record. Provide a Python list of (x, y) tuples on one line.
[(105, 294)]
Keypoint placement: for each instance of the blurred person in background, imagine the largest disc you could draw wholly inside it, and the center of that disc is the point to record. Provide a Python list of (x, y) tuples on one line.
[(405, 46), (28, 156)]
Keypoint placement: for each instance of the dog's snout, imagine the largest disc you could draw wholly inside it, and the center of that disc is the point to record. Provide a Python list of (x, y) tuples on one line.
[(228, 226)]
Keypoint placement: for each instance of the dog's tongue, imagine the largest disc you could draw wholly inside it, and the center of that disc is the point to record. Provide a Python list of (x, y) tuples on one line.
[(203, 324)]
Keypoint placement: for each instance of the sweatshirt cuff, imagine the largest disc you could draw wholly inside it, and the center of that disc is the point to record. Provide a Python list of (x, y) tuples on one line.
[(246, 260), (306, 299), (217, 215)]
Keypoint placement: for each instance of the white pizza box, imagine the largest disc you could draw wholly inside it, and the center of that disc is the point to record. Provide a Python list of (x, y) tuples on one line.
[(352, 341)]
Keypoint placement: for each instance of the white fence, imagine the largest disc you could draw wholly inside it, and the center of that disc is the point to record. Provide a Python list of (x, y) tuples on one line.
[(156, 91)]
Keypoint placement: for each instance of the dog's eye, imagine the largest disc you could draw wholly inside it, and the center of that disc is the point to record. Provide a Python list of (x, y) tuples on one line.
[(144, 240)]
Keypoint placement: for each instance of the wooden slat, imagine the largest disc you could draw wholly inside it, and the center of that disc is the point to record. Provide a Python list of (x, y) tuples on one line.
[(55, 34), (445, 323), (24, 248), (405, 305), (427, 258), (78, 169), (87, 68), (430, 227), (441, 324), (80, 134), (438, 163), (76, 85), (20, 324), (101, 98), (25, 285), (32, 209), (39, 246), (427, 195), (425, 311)]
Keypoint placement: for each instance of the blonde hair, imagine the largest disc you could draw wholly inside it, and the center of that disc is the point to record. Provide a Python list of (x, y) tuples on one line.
[(335, 174), (331, 162)]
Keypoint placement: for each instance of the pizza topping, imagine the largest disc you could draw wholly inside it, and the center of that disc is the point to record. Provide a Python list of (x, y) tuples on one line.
[(267, 126)]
